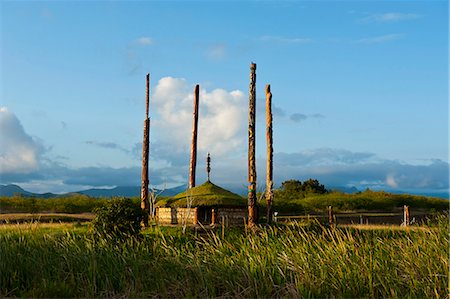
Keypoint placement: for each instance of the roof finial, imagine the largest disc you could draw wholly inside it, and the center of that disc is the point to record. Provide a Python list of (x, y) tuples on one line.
[(208, 166)]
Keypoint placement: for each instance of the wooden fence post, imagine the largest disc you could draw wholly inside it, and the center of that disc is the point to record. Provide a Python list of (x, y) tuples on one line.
[(330, 215), (269, 179), (223, 227), (252, 221)]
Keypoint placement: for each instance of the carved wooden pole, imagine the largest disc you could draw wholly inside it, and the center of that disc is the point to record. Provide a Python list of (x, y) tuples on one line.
[(208, 166), (145, 205), (252, 215), (193, 163), (269, 179)]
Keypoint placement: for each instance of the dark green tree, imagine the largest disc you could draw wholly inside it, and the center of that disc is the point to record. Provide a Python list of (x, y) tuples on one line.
[(291, 186), (313, 186), (295, 189)]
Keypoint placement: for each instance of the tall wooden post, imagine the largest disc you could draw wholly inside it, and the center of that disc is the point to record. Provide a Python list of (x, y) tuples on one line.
[(193, 163), (145, 204), (406, 221), (252, 214), (269, 178)]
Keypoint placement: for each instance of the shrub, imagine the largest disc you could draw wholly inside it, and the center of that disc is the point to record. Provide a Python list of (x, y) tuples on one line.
[(120, 217)]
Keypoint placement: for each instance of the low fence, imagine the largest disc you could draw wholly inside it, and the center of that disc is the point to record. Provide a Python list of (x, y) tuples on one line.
[(360, 218)]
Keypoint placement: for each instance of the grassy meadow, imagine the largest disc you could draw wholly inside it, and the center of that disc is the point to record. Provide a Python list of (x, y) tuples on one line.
[(285, 260), (285, 202)]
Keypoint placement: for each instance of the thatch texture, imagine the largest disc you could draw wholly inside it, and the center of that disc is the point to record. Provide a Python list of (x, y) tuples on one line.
[(205, 195)]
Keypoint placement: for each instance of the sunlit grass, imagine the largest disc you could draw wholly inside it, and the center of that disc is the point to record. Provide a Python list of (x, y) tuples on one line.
[(295, 260)]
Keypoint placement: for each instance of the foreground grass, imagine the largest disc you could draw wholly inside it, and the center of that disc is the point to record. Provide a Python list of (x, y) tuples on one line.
[(285, 261)]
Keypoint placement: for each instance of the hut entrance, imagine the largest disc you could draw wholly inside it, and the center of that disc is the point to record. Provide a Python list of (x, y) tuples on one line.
[(204, 215)]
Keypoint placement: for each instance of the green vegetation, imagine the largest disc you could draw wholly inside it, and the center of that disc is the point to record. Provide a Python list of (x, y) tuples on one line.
[(294, 189), (279, 261), (76, 203), (118, 218), (295, 197), (206, 194)]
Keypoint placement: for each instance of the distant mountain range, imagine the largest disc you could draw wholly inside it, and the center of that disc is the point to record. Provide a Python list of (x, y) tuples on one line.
[(135, 191), (125, 191)]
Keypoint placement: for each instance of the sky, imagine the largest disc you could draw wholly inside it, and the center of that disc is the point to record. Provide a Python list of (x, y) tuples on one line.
[(360, 92)]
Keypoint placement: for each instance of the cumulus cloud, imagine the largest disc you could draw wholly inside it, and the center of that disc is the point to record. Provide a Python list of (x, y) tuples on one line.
[(380, 39), (221, 122), (19, 152), (389, 17)]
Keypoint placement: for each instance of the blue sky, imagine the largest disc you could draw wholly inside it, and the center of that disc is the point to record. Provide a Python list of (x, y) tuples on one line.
[(360, 91)]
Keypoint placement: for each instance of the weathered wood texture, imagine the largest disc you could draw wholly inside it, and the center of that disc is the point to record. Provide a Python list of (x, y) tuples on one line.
[(269, 177), (145, 204), (193, 162), (252, 213)]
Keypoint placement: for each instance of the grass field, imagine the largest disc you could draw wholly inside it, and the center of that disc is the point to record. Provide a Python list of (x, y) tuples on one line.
[(289, 260)]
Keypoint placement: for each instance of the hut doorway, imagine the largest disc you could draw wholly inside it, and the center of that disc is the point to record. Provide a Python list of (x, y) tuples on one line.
[(204, 215)]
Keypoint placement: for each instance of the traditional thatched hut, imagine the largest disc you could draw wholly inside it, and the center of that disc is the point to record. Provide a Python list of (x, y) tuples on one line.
[(205, 204)]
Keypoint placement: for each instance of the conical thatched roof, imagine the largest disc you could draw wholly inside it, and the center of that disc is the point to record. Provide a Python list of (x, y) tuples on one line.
[(207, 194)]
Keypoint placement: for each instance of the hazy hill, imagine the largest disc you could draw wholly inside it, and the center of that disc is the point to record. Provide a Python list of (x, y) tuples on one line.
[(135, 191), (129, 191), (11, 190)]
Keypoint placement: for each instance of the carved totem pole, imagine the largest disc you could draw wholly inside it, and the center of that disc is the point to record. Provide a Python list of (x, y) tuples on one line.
[(145, 204), (269, 179), (193, 162), (252, 213), (208, 167)]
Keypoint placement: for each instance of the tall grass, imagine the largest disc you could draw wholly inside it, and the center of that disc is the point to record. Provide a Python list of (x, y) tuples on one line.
[(279, 261)]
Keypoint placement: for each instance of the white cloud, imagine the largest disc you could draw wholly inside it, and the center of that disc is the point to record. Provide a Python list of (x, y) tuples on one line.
[(282, 39), (389, 17), (19, 152), (390, 181), (144, 41), (217, 51), (221, 116), (380, 39)]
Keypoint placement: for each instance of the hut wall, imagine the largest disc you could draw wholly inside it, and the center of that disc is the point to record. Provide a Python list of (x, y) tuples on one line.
[(232, 216), (176, 215)]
